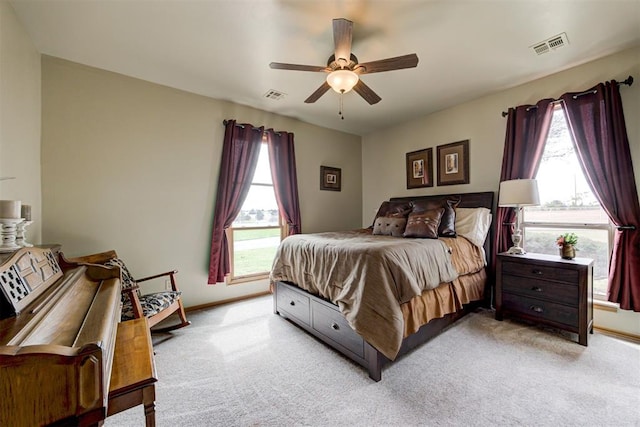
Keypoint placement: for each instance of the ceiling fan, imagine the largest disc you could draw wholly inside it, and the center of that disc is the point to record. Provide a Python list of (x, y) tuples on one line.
[(343, 68)]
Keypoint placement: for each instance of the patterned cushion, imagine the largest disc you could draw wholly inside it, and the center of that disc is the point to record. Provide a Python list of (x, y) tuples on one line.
[(151, 304), (127, 278), (424, 225), (386, 226)]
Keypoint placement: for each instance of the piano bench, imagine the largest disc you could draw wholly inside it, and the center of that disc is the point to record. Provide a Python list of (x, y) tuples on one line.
[(133, 375)]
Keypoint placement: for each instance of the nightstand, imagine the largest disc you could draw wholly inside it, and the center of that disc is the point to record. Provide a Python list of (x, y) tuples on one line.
[(546, 289)]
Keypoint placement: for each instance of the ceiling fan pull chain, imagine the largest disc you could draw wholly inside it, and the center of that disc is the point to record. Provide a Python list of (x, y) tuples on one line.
[(340, 112)]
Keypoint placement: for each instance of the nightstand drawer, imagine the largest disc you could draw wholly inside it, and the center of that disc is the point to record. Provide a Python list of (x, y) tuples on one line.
[(540, 272), (539, 309), (527, 286), (293, 303)]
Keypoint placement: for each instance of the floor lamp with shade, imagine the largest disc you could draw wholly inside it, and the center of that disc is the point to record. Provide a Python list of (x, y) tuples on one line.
[(517, 193)]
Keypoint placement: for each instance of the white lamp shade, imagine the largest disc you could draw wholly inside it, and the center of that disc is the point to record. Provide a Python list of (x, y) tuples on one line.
[(519, 192), (342, 81)]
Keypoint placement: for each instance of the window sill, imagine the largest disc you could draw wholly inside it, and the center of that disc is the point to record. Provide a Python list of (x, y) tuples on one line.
[(605, 306), (247, 279)]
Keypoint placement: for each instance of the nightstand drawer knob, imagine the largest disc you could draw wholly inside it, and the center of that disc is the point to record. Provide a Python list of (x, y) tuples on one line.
[(536, 308), (292, 303), (536, 289), (335, 326), (537, 272)]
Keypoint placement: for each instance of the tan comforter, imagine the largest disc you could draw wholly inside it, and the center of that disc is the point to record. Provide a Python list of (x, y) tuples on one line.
[(337, 266)]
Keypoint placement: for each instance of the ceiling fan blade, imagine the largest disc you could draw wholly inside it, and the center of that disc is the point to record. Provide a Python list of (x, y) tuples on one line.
[(366, 92), (318, 93), (297, 67), (389, 64), (342, 36)]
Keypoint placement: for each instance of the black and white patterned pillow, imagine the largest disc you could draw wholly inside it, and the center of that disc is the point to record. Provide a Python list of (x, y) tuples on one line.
[(127, 278)]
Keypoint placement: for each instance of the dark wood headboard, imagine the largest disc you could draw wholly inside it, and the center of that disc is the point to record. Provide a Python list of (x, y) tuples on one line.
[(467, 200)]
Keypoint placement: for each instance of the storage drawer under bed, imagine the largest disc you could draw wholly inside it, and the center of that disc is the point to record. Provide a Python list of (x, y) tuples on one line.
[(292, 303)]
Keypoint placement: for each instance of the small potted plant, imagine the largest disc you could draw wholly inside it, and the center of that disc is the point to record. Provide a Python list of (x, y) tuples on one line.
[(567, 243)]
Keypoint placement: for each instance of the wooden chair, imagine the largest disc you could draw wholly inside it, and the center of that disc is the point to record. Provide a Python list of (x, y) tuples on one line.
[(154, 306)]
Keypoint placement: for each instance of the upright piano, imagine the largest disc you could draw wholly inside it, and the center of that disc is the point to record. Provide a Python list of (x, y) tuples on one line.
[(57, 339)]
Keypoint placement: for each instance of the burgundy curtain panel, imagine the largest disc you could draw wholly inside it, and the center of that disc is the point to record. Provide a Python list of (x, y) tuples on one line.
[(285, 182), (597, 122), (239, 159), (526, 135)]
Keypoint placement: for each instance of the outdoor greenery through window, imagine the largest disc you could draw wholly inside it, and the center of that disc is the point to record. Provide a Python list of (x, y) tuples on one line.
[(567, 205), (256, 232)]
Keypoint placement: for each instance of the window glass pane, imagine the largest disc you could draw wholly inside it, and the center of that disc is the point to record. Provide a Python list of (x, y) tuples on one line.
[(263, 169), (254, 250), (592, 244), (565, 196), (259, 209)]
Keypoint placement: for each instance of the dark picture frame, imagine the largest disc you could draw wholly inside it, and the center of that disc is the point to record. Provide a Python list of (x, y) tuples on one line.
[(453, 163), (420, 168), (330, 178)]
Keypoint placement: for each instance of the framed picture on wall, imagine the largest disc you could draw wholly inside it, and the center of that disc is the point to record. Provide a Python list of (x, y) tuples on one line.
[(453, 163), (330, 178), (420, 168)]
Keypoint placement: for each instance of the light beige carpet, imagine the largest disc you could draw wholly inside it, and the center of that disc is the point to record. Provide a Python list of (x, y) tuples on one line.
[(241, 365)]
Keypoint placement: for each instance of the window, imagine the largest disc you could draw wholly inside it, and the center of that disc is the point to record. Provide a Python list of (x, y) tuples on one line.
[(567, 204), (257, 231)]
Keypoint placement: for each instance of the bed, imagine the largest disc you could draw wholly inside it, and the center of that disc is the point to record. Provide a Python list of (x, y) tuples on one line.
[(375, 294)]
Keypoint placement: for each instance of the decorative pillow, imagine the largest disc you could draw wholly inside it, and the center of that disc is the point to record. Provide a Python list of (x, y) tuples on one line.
[(447, 227), (393, 209), (424, 224), (473, 224), (127, 278), (389, 226)]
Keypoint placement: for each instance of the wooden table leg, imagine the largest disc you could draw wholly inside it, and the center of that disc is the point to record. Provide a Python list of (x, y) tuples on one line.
[(149, 401)]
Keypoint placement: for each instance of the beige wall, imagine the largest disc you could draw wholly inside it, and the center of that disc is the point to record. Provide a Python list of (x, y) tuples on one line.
[(19, 117), (480, 121), (133, 166)]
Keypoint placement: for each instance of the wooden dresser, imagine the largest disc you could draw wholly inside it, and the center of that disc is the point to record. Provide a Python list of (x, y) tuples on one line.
[(546, 289)]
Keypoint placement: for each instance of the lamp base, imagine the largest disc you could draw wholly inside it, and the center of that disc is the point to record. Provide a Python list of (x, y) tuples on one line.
[(516, 250)]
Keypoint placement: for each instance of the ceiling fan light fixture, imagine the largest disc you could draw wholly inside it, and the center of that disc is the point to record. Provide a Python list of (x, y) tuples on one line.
[(342, 81)]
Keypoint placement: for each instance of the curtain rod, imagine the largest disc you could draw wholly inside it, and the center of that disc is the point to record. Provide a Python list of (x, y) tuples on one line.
[(225, 122), (628, 82)]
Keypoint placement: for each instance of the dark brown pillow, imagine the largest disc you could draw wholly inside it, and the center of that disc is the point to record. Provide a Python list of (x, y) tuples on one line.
[(399, 209), (393, 210), (447, 226), (388, 226), (424, 224)]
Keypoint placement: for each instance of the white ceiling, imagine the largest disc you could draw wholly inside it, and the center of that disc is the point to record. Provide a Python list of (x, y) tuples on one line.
[(222, 48)]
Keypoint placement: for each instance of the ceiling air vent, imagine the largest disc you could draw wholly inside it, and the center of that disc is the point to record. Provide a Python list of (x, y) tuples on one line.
[(552, 43), (274, 94)]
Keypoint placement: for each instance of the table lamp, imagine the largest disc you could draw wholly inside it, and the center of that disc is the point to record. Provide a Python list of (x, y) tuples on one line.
[(518, 193)]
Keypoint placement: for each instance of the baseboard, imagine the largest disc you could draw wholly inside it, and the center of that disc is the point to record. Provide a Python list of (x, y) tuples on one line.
[(620, 335), (225, 301)]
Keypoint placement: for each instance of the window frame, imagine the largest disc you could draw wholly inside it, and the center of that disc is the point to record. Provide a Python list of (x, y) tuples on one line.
[(232, 279)]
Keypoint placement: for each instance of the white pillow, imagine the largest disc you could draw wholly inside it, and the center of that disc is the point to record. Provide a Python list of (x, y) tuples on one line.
[(473, 224)]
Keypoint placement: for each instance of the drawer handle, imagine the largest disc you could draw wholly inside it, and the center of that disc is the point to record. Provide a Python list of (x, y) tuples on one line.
[(335, 326), (536, 288), (536, 308), (537, 272), (292, 303)]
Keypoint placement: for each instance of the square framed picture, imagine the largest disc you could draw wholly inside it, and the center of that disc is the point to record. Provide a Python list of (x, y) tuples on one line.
[(330, 178), (453, 163), (420, 168)]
